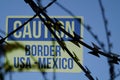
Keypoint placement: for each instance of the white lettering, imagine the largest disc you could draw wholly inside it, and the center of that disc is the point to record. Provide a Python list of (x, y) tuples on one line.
[(17, 34)]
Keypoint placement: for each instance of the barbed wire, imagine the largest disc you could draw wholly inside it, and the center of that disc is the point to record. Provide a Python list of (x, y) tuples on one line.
[(37, 11), (60, 42), (63, 45), (108, 34), (86, 26), (95, 49)]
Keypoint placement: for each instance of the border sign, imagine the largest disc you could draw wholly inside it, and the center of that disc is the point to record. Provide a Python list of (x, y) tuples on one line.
[(44, 53)]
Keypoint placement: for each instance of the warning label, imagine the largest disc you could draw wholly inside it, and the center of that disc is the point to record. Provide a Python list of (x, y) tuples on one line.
[(36, 49)]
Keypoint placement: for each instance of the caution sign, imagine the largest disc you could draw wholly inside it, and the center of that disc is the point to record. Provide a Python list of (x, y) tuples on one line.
[(34, 48)]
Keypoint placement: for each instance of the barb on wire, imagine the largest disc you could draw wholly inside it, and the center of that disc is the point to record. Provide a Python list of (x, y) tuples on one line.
[(108, 34), (101, 44)]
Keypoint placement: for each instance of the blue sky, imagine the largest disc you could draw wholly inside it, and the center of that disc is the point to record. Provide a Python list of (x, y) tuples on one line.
[(90, 11)]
